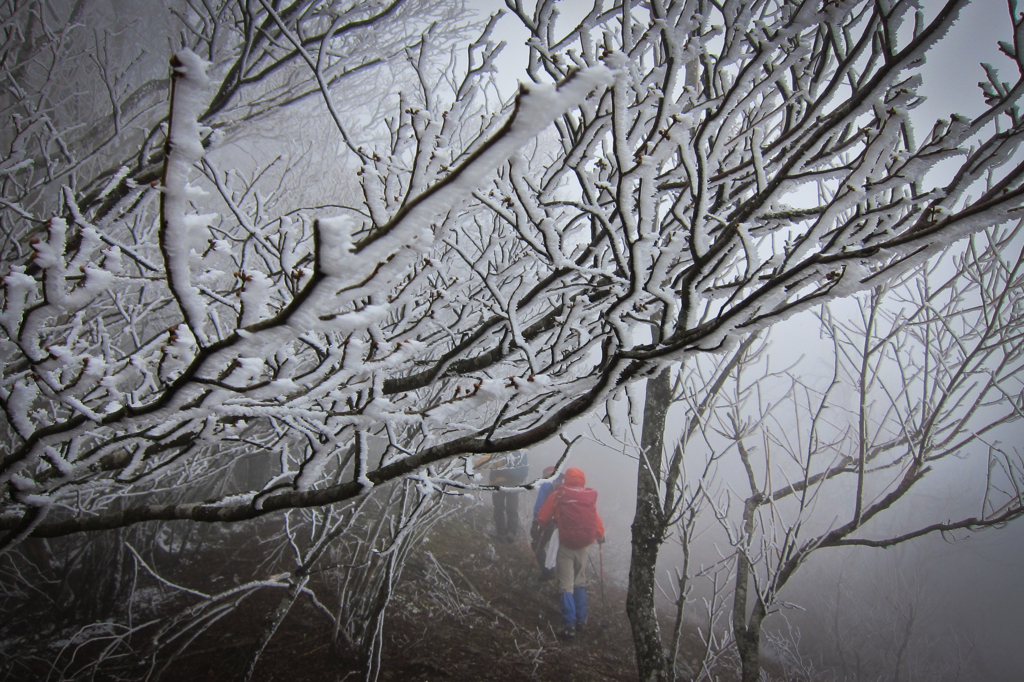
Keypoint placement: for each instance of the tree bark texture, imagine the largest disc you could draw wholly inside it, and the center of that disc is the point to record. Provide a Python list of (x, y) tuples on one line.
[(648, 534), (747, 634)]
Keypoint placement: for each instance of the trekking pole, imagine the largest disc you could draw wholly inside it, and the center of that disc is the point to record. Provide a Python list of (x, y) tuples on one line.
[(601, 575)]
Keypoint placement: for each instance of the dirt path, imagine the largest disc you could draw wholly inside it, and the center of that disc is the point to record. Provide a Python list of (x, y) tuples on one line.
[(475, 610)]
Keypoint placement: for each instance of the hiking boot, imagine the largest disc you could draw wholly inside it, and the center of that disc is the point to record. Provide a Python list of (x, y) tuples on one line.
[(581, 627), (567, 634)]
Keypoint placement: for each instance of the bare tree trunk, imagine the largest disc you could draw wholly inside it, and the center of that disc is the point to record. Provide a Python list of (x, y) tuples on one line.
[(748, 642), (648, 534), (748, 635)]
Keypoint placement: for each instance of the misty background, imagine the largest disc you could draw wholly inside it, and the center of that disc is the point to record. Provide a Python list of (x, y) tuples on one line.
[(963, 591), (956, 595)]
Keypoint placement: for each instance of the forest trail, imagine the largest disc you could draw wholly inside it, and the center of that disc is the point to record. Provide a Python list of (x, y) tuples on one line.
[(471, 608)]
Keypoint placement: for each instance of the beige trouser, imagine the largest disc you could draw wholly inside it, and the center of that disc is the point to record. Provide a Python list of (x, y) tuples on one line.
[(571, 568)]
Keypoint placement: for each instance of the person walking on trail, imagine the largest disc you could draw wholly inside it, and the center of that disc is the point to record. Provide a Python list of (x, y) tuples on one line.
[(573, 507), (506, 469), (545, 540)]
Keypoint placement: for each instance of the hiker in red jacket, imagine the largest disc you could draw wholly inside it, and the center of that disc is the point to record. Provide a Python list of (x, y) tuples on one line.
[(573, 507)]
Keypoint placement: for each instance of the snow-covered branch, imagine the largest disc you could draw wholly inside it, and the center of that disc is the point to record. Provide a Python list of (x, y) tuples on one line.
[(440, 273)]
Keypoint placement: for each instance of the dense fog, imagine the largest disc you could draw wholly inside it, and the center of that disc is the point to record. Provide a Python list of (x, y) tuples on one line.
[(279, 277), (955, 597)]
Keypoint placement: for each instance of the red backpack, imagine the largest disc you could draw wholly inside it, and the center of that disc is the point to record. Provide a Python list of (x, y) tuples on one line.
[(578, 523)]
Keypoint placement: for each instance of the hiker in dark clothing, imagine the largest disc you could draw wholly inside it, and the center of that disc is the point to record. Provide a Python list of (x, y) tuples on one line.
[(506, 469), (573, 507)]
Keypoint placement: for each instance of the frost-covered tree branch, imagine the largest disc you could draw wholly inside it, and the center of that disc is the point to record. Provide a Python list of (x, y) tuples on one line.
[(713, 169)]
